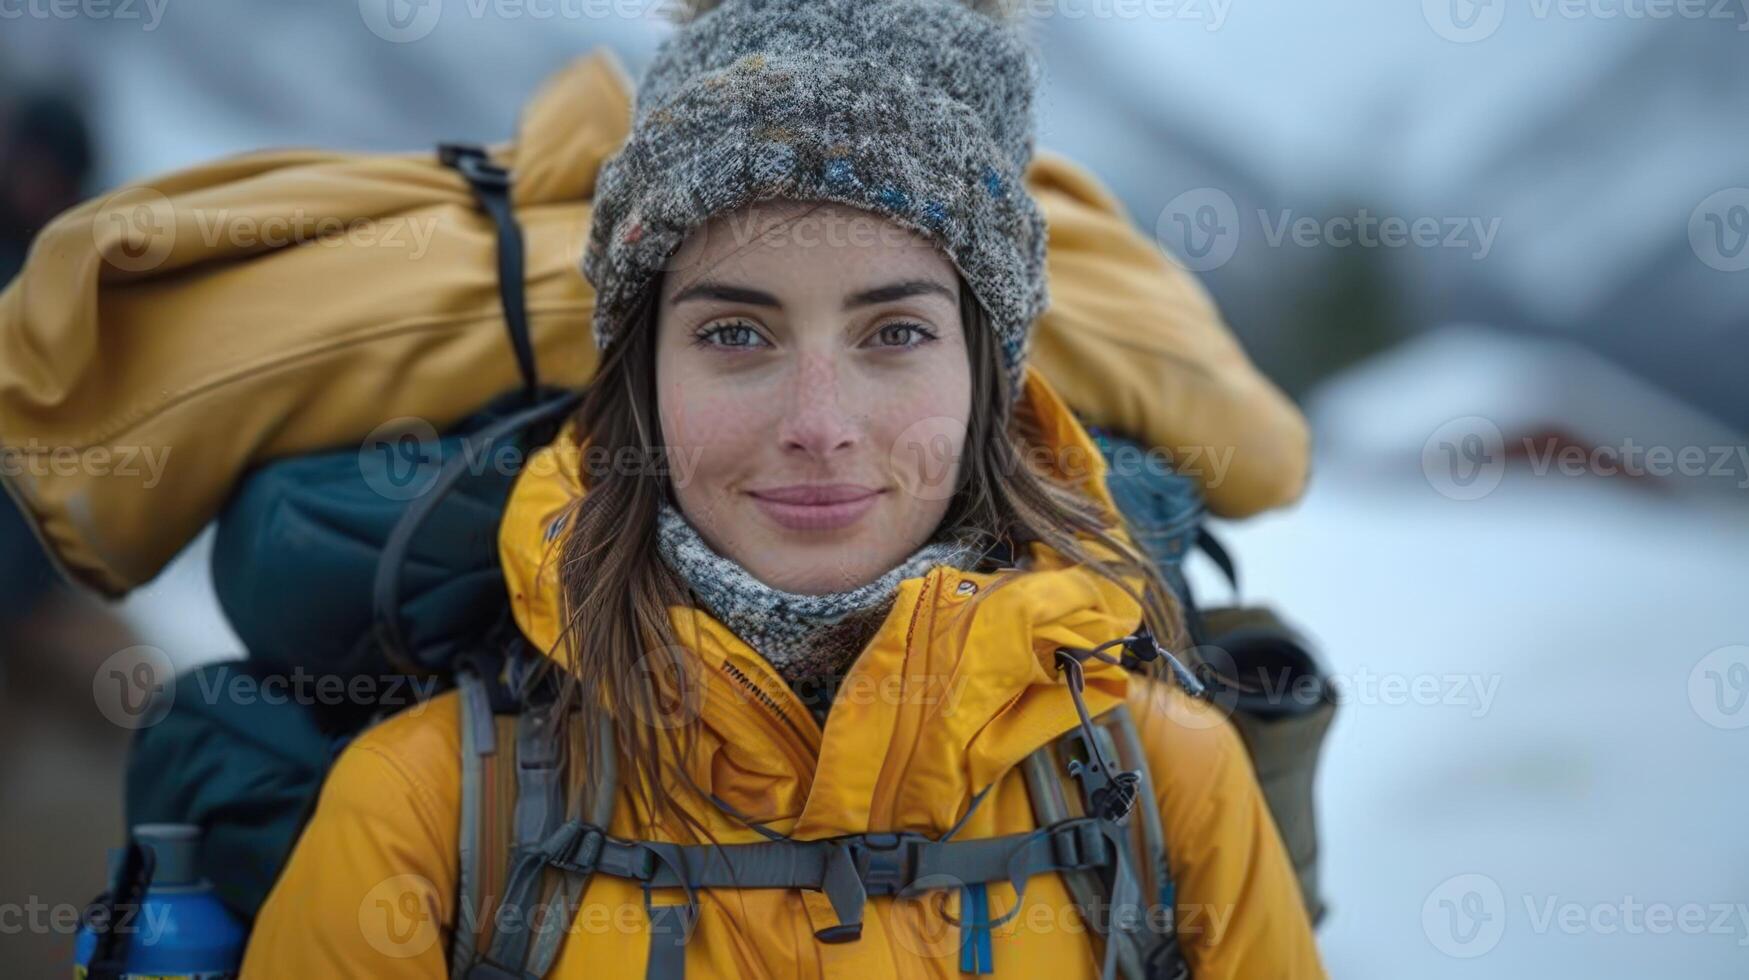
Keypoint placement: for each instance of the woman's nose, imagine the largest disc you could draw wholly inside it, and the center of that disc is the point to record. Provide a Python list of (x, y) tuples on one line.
[(818, 421)]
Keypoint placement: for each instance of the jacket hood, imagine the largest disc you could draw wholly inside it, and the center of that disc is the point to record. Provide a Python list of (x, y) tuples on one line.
[(957, 685)]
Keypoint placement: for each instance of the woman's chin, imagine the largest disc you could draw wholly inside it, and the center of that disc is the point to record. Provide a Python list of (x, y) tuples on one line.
[(818, 567)]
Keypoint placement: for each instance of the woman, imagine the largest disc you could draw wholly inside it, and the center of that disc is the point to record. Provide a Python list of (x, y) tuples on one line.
[(833, 607)]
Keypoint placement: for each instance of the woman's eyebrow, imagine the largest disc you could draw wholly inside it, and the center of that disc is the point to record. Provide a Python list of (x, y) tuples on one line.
[(730, 292), (706, 289), (898, 290)]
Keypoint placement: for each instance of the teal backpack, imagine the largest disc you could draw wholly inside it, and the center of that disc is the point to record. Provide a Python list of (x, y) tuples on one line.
[(322, 574)]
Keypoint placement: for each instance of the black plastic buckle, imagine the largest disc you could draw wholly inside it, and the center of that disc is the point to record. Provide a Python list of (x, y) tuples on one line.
[(1140, 649), (473, 163), (887, 862)]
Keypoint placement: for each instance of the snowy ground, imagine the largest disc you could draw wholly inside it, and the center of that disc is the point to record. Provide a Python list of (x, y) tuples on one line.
[(1588, 820)]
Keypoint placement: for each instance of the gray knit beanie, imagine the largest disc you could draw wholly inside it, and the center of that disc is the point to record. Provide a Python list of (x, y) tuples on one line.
[(917, 110)]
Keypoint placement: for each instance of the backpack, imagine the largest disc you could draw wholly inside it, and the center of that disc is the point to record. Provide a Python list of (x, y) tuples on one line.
[(415, 589)]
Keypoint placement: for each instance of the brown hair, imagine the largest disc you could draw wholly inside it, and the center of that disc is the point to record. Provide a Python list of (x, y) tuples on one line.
[(620, 651)]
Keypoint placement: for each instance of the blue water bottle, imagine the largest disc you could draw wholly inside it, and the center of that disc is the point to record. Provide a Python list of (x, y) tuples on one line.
[(159, 919)]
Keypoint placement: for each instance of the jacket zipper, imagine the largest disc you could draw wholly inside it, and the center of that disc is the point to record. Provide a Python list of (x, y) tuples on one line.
[(764, 698)]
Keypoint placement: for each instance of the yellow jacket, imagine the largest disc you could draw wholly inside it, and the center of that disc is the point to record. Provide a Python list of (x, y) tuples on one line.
[(162, 340), (954, 689)]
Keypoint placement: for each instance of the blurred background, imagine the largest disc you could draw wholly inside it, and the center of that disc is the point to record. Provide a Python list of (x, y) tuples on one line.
[(1498, 252)]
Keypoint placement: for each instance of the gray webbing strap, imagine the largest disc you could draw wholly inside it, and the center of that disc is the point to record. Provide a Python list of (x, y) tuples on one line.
[(539, 812), (603, 775), (670, 927), (1136, 946), (1161, 952), (1129, 749), (477, 739), (1044, 784), (848, 870)]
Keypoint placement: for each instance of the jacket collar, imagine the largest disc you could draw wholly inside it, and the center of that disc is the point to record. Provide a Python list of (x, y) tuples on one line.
[(956, 686)]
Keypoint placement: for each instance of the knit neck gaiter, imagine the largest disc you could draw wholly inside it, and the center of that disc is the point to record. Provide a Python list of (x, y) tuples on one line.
[(810, 639)]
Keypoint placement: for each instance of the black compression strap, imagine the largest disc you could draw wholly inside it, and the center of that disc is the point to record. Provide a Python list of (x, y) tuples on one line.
[(491, 185)]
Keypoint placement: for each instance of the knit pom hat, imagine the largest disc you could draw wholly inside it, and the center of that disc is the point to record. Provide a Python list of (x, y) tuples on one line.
[(917, 110)]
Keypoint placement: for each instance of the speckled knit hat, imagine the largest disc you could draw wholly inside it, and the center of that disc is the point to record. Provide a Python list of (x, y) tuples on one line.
[(917, 110)]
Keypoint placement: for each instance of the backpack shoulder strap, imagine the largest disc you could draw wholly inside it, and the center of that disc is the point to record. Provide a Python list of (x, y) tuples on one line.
[(1151, 952), (488, 793), (513, 906)]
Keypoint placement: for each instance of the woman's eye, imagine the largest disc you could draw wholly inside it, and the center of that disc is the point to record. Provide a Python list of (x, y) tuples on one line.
[(739, 335), (903, 335)]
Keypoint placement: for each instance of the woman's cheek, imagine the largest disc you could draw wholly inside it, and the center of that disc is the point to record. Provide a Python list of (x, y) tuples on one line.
[(925, 443), (715, 428)]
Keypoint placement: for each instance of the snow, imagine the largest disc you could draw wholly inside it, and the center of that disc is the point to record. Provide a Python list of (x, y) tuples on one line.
[(1595, 777)]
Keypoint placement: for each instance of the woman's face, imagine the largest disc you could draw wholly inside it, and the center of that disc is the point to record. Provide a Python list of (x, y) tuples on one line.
[(814, 390)]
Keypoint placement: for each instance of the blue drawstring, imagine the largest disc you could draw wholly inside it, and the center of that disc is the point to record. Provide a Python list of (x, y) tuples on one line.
[(975, 953)]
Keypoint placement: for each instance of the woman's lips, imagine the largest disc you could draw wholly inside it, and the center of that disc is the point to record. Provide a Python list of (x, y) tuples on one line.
[(816, 507)]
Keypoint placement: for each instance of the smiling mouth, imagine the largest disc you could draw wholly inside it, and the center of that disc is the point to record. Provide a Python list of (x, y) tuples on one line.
[(816, 507)]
